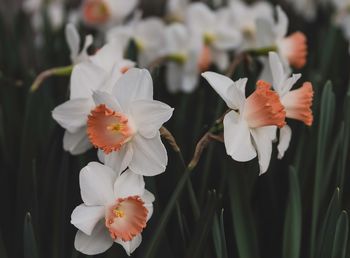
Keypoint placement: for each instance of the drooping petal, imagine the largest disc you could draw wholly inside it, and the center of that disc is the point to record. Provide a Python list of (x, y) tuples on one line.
[(237, 138), (130, 246), (282, 23), (135, 84), (85, 217), (263, 144), (73, 40), (72, 114), (129, 184), (98, 242), (283, 144), (96, 184), (149, 116), (150, 157), (117, 160), (76, 143), (148, 198), (86, 77), (221, 84)]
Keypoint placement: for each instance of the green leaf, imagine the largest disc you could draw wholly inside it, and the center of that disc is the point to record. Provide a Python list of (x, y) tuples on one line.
[(325, 128), (3, 253), (29, 242), (219, 236), (293, 220), (341, 236), (240, 189), (326, 232)]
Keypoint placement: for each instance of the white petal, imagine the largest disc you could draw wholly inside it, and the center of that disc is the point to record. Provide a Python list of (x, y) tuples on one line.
[(135, 84), (282, 23), (149, 116), (76, 143), (96, 184), (227, 38), (176, 36), (283, 144), (174, 74), (277, 71), (72, 114), (130, 246), (86, 77), (289, 83), (107, 99), (85, 217), (98, 242), (200, 17), (117, 160), (263, 144), (150, 157), (108, 55), (189, 82), (73, 40), (221, 59), (237, 138), (265, 35), (120, 9), (226, 88), (148, 198), (129, 184)]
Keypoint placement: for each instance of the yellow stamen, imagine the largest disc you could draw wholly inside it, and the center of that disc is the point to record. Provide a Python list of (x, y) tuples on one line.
[(209, 38), (118, 213)]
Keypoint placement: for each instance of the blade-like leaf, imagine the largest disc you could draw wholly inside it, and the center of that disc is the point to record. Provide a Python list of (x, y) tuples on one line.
[(29, 242), (341, 236)]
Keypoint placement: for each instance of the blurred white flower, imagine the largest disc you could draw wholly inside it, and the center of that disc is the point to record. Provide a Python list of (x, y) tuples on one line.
[(249, 124), (73, 41), (342, 16), (125, 123), (305, 8), (176, 10), (115, 209), (297, 102), (183, 52), (216, 29), (107, 12), (244, 17), (148, 35), (100, 71)]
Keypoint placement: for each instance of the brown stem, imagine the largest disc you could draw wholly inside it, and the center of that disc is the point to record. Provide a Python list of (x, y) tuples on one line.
[(170, 138), (234, 64)]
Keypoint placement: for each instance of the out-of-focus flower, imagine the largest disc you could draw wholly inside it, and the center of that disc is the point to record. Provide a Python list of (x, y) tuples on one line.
[(305, 8), (183, 52), (244, 18), (217, 32), (106, 12), (247, 127), (100, 71), (297, 102), (73, 41), (292, 48), (125, 125), (176, 10), (115, 209), (342, 17), (148, 34)]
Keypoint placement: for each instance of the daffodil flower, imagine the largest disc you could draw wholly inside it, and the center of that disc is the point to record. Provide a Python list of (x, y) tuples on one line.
[(125, 123), (185, 62), (106, 12), (247, 127), (217, 32), (297, 102), (115, 209), (176, 10), (100, 71)]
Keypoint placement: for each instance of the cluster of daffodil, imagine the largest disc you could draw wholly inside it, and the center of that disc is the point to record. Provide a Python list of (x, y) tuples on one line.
[(111, 105)]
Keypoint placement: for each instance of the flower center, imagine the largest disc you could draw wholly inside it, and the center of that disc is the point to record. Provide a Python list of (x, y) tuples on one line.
[(263, 107), (209, 38), (107, 129), (126, 218), (95, 11), (298, 103)]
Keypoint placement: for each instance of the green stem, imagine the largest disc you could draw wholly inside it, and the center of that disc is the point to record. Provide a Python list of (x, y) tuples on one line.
[(261, 51), (57, 71)]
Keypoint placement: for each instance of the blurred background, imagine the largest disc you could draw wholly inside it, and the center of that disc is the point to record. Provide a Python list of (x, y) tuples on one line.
[(240, 214)]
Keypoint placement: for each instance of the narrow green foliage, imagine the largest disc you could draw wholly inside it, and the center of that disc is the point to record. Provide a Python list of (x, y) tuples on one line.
[(293, 220), (29, 241), (341, 236)]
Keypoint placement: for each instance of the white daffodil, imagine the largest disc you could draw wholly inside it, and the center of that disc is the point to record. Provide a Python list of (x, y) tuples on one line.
[(106, 12), (217, 32), (125, 123), (292, 49), (73, 41), (148, 34), (244, 18), (115, 209), (176, 10), (247, 127), (297, 102), (305, 8), (100, 71), (186, 59)]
